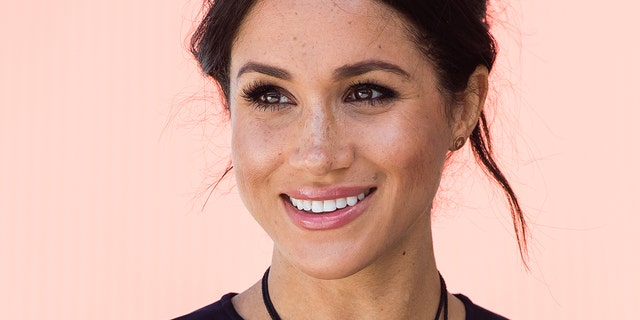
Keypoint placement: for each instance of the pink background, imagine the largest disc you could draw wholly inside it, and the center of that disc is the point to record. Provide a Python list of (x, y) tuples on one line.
[(104, 159)]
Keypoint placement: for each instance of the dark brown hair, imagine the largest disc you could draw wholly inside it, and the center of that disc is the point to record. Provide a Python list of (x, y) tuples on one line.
[(453, 34)]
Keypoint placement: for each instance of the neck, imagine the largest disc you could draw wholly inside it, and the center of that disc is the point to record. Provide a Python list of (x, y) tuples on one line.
[(402, 284)]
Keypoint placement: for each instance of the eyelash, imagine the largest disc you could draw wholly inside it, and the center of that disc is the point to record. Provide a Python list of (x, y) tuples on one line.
[(255, 94), (385, 93)]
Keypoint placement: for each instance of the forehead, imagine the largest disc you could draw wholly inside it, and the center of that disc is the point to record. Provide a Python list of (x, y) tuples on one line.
[(313, 35)]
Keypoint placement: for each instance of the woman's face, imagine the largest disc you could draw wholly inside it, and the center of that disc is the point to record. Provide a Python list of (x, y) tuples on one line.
[(330, 102)]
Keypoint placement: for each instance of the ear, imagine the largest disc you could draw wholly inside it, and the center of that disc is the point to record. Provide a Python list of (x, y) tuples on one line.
[(467, 112)]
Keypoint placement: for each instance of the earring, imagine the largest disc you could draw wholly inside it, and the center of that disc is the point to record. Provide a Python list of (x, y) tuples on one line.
[(458, 143)]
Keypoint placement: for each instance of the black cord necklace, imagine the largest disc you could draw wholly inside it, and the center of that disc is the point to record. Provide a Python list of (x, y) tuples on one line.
[(443, 304)]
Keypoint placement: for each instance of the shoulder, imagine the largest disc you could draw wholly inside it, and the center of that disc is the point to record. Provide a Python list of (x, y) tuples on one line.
[(220, 310), (475, 312)]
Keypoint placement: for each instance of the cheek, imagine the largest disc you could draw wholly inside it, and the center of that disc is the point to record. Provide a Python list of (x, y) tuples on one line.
[(411, 144), (255, 155)]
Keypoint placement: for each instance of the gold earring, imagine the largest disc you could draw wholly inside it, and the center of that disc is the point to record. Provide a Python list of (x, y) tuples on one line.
[(458, 143)]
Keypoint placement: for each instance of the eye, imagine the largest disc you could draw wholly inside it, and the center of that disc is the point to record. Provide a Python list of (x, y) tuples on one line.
[(266, 97), (368, 92), (273, 97)]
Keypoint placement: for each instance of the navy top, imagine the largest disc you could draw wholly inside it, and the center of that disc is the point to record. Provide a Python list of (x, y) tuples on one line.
[(223, 310)]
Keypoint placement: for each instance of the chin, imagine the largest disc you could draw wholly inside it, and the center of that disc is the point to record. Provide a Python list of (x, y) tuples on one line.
[(334, 271), (330, 261)]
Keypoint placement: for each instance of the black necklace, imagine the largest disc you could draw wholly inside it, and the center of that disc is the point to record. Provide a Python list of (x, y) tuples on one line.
[(443, 304)]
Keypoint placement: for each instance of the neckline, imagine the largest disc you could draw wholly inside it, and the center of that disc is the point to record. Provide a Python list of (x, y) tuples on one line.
[(232, 313)]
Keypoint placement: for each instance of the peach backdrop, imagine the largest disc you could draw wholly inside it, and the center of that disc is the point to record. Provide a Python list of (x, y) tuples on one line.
[(103, 157)]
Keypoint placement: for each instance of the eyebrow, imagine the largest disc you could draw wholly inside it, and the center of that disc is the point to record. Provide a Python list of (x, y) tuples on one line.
[(264, 69), (343, 72), (356, 69)]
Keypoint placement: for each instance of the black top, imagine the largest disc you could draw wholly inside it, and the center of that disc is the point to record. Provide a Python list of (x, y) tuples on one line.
[(223, 310)]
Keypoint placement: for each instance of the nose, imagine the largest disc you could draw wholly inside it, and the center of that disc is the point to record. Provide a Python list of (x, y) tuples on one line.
[(321, 145)]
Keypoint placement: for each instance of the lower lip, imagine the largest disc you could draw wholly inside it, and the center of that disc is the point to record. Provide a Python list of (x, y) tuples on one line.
[(326, 221)]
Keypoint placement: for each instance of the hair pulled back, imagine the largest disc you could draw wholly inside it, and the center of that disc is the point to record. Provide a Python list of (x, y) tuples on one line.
[(453, 34)]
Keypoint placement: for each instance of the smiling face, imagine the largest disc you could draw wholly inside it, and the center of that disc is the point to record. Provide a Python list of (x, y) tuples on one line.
[(339, 132)]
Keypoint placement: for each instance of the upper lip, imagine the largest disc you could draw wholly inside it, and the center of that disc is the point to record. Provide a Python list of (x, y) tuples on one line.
[(326, 193)]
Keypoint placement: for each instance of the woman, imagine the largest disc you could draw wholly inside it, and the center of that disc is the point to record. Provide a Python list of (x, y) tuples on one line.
[(343, 115)]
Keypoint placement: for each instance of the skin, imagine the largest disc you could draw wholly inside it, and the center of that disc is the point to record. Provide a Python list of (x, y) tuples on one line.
[(381, 265)]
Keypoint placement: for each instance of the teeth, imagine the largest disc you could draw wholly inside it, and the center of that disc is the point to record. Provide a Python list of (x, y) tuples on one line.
[(319, 206), (329, 205), (306, 205)]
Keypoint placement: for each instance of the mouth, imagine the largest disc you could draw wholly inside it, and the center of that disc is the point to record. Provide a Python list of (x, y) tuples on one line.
[(328, 205)]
